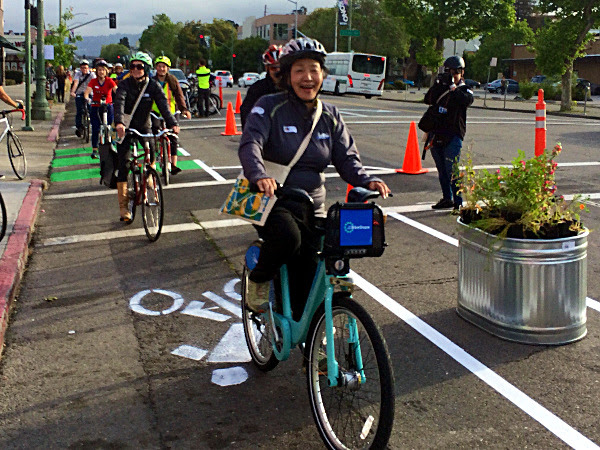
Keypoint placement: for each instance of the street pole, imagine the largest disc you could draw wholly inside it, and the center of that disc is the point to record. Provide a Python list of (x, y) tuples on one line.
[(350, 26), (59, 12), (27, 99), (296, 14), (335, 16), (41, 110)]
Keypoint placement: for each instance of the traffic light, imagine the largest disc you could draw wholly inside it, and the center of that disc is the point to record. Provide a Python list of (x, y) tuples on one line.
[(33, 16), (233, 55), (112, 20), (207, 40), (202, 41)]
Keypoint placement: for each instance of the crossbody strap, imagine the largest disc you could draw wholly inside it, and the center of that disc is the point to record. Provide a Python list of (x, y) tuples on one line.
[(306, 140), (137, 102)]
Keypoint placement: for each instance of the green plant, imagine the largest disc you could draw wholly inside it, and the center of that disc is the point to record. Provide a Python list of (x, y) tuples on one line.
[(527, 89), (519, 200)]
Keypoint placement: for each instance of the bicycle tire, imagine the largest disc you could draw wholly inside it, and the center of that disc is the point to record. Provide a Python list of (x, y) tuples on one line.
[(343, 413), (153, 206), (85, 121), (133, 187), (4, 218), (165, 152), (16, 154), (257, 331), (214, 104)]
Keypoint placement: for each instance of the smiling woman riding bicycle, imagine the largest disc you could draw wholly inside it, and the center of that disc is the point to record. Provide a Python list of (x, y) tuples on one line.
[(273, 132), (134, 97)]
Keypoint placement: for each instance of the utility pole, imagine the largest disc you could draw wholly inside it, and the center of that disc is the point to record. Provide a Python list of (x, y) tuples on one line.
[(59, 12), (350, 5), (41, 110), (27, 126), (336, 26)]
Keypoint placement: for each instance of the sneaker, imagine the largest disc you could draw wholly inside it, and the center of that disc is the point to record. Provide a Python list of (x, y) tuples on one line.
[(257, 299), (444, 203), (2, 176), (78, 132), (175, 170), (94, 154)]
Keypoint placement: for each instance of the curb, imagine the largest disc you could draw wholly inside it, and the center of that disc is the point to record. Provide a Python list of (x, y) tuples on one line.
[(53, 135), (12, 264)]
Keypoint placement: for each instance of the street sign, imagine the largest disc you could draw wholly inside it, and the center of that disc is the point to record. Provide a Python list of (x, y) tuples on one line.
[(349, 32)]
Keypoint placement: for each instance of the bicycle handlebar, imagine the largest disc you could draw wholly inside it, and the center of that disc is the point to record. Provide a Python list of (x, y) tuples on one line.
[(8, 111), (150, 135)]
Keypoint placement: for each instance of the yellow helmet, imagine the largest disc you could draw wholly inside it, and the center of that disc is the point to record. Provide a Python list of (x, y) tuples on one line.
[(162, 59)]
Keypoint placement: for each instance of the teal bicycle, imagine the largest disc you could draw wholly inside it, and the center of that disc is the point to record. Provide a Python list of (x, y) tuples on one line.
[(349, 375)]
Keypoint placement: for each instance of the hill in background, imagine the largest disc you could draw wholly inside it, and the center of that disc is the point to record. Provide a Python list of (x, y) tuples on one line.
[(92, 45)]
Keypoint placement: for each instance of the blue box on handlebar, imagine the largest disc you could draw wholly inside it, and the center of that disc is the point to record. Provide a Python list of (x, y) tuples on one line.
[(354, 230)]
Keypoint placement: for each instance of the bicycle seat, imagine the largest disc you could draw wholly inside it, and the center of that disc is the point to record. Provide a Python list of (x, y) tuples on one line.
[(361, 195)]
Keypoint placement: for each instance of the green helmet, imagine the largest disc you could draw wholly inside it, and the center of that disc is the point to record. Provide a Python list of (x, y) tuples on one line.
[(143, 57)]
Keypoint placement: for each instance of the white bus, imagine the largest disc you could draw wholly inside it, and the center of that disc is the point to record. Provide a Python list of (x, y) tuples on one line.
[(355, 73)]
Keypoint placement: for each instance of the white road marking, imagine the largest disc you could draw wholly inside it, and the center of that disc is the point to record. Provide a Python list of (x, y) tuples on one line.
[(225, 304), (190, 352), (196, 309), (591, 303), (229, 376), (552, 422), (183, 151), (425, 228), (229, 289), (135, 303), (232, 347), (208, 170)]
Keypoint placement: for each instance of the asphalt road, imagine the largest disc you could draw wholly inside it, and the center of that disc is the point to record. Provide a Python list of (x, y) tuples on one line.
[(121, 343)]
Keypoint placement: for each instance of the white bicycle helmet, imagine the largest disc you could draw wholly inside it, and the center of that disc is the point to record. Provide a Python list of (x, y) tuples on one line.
[(302, 48)]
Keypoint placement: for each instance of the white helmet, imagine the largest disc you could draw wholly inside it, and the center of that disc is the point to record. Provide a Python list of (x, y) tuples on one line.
[(302, 48)]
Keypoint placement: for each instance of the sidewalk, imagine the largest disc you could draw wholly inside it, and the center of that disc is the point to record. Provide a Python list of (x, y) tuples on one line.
[(23, 197)]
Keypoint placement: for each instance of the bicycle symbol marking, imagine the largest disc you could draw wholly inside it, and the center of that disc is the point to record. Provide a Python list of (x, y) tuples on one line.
[(230, 349)]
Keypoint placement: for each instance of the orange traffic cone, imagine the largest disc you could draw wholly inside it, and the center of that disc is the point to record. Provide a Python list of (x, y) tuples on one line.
[(348, 189), (221, 93), (238, 102), (230, 126), (412, 159)]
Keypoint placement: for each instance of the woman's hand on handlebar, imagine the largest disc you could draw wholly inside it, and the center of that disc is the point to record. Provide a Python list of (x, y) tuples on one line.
[(267, 185), (187, 114), (380, 187), (120, 130)]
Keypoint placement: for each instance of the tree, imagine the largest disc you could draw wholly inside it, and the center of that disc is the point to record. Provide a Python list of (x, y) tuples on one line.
[(248, 55), (560, 41), (161, 37), (111, 52), (432, 21), (125, 42), (222, 37), (380, 33), (62, 40), (499, 45)]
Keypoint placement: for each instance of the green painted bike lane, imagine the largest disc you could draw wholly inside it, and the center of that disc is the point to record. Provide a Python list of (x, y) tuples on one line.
[(69, 160)]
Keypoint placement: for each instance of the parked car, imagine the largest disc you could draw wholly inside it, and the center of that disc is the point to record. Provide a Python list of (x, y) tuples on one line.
[(538, 79), (247, 79), (472, 83), (496, 86), (226, 77), (594, 88)]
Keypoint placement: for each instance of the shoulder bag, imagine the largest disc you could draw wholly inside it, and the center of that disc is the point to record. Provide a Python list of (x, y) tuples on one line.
[(256, 206), (432, 117)]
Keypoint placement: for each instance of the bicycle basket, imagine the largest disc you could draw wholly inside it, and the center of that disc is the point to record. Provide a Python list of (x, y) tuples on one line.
[(354, 230)]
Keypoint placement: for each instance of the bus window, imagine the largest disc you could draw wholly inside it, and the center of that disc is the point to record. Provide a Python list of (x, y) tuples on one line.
[(368, 64)]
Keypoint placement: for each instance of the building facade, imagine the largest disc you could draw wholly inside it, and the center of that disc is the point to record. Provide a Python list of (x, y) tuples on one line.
[(276, 28)]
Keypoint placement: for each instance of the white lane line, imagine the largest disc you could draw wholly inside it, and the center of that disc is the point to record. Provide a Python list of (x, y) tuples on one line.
[(225, 223), (469, 122), (591, 303), (115, 234), (225, 304), (208, 170), (552, 422), (348, 113), (183, 151), (206, 127)]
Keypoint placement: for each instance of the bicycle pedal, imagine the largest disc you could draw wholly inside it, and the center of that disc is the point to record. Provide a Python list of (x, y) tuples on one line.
[(347, 283)]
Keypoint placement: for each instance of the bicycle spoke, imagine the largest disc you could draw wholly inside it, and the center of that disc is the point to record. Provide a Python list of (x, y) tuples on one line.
[(16, 154)]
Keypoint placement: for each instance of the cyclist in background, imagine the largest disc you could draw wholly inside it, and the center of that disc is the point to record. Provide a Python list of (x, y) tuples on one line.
[(175, 100), (117, 74), (274, 131), (203, 74), (80, 82), (101, 88), (266, 86), (128, 91)]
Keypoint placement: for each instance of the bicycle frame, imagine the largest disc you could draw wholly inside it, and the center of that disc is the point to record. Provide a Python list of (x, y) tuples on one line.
[(4, 121), (294, 333)]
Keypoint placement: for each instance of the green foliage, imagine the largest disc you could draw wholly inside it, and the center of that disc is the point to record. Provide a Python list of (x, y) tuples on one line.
[(222, 39), (160, 38), (498, 44), (15, 75), (64, 54), (528, 89), (522, 194), (248, 55), (111, 51), (380, 33), (432, 21)]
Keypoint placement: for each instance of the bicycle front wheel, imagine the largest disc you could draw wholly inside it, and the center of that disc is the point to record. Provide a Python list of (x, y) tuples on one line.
[(86, 127), (214, 104), (257, 329), (165, 154), (357, 413), (133, 187), (152, 205), (4, 218), (16, 154)]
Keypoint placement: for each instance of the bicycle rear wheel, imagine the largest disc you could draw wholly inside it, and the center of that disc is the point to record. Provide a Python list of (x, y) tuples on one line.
[(152, 205), (133, 187), (214, 104), (353, 414), (4, 218), (165, 157), (85, 122), (16, 154), (257, 329)]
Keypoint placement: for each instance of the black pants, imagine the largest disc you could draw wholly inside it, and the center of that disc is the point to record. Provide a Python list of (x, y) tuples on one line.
[(289, 238), (203, 99), (124, 154)]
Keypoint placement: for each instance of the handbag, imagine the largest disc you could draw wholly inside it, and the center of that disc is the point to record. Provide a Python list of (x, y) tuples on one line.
[(433, 118), (255, 207), (109, 163)]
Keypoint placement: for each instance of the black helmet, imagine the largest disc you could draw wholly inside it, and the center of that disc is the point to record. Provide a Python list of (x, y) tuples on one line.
[(454, 62)]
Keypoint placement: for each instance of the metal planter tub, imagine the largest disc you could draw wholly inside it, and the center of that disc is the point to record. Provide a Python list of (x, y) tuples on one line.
[(531, 291)]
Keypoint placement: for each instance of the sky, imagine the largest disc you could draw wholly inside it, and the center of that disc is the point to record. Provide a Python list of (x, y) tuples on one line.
[(133, 16)]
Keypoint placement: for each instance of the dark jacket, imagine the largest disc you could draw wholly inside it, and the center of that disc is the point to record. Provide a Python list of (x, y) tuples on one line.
[(126, 96), (262, 87), (274, 131), (455, 104)]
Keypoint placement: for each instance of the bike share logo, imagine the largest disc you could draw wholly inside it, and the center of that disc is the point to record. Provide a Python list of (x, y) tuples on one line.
[(343, 12), (349, 227)]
